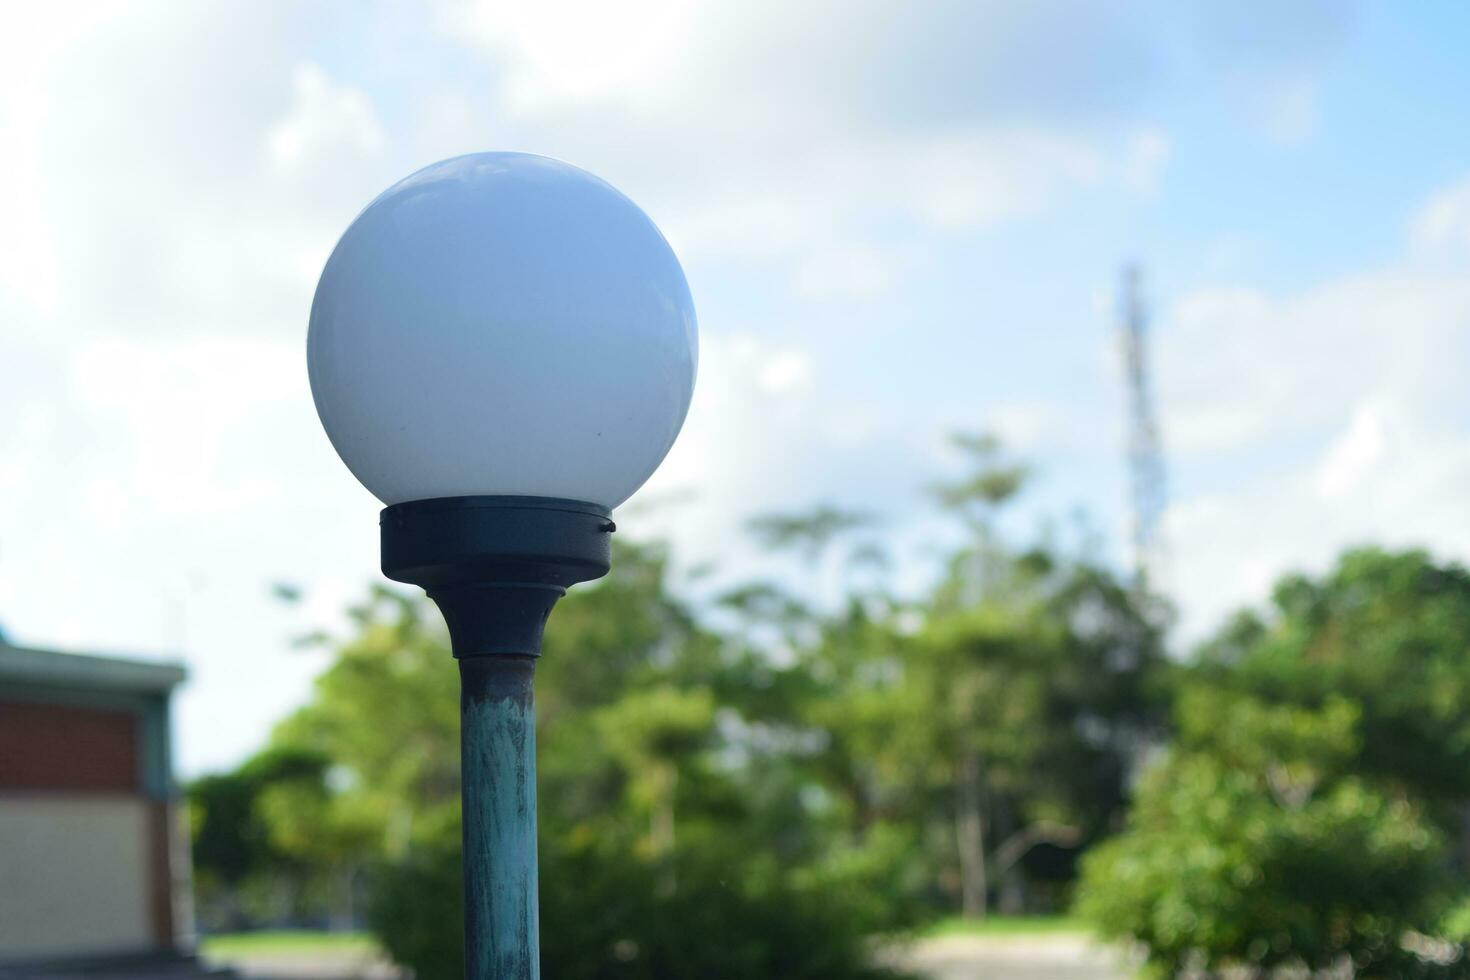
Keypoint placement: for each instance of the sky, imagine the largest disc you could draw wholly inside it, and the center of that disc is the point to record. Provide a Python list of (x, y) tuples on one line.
[(898, 220)]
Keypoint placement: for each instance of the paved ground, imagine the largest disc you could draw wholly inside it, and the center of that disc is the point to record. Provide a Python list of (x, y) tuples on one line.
[(311, 966), (1012, 958), (950, 958)]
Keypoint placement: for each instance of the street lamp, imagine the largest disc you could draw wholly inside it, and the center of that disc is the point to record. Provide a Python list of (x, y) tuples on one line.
[(502, 349)]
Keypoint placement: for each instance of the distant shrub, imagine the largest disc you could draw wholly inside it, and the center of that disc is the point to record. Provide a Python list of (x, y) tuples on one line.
[(1252, 846), (416, 912), (615, 916)]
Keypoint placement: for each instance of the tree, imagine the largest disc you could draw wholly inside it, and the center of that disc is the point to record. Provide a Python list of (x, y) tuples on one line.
[(976, 499), (386, 713), (235, 853), (1320, 768), (1256, 846), (1389, 630), (1032, 690), (659, 829), (819, 770), (654, 734), (1013, 699), (810, 533), (1030, 712)]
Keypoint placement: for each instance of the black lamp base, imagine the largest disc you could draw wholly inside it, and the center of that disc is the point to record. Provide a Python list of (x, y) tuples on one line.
[(495, 565)]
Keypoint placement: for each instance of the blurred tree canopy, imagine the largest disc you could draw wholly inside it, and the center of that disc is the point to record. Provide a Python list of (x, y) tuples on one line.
[(243, 871), (758, 784), (1313, 808)]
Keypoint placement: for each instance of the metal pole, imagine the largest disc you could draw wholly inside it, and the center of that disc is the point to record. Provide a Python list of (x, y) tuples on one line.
[(496, 566), (498, 772)]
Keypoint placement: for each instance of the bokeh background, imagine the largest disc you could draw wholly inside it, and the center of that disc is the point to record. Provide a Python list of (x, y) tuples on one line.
[(900, 222)]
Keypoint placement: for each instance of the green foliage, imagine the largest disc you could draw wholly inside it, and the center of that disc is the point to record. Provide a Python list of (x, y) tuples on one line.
[(606, 915), (654, 837), (1391, 632), (239, 861), (1257, 847), (231, 835), (734, 915), (756, 800), (1302, 818), (386, 712), (417, 909), (991, 481), (1027, 709), (810, 533)]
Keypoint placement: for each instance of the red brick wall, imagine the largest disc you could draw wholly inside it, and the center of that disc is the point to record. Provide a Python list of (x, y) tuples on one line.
[(59, 747)]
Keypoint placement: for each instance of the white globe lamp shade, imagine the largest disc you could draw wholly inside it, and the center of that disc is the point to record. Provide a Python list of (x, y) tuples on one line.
[(502, 324)]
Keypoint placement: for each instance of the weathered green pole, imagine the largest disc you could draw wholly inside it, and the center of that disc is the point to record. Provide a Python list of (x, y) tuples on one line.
[(495, 566), (497, 714)]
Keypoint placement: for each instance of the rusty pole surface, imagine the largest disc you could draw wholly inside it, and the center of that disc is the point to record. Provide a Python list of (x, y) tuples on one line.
[(498, 762)]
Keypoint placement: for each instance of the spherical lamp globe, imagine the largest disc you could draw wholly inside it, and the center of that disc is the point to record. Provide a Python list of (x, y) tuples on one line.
[(502, 324)]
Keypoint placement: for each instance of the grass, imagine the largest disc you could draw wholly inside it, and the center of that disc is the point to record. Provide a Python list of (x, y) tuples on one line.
[(282, 942), (1023, 925)]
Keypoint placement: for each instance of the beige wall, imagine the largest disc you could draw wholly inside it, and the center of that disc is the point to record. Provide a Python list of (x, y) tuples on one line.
[(73, 875)]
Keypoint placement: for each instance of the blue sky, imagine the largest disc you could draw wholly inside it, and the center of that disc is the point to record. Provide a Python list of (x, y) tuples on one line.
[(898, 220)]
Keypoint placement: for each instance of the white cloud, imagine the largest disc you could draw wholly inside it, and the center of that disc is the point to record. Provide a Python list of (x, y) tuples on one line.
[(153, 284), (179, 413), (187, 169), (1028, 427), (829, 124), (1351, 458), (1443, 222), (1390, 477), (35, 35), (785, 370), (1147, 157), (768, 432), (327, 120), (172, 177), (1342, 411), (1238, 367), (556, 52), (980, 178), (853, 268), (823, 204)]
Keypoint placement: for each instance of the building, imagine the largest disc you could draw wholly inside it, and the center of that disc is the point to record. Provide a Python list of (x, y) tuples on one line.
[(94, 864)]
